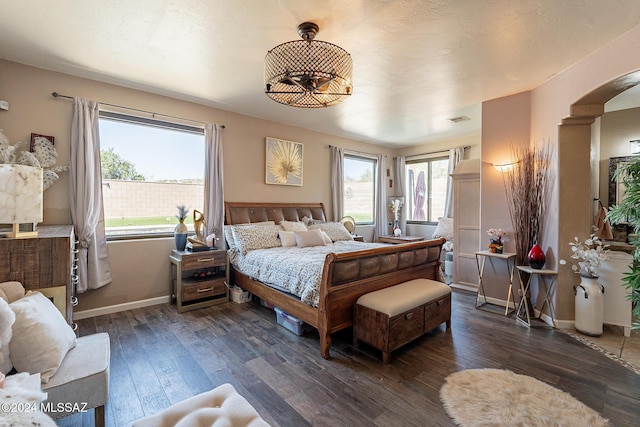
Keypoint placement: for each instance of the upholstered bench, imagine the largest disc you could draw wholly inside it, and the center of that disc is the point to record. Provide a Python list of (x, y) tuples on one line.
[(392, 317), (221, 406)]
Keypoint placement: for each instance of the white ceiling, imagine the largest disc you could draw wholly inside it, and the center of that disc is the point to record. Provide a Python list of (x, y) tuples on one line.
[(416, 62)]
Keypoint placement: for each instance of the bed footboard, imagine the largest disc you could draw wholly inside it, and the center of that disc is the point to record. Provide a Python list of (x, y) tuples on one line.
[(349, 275)]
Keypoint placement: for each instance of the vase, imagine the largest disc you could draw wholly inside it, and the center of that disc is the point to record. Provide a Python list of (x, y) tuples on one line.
[(496, 247), (536, 257), (589, 306), (180, 235)]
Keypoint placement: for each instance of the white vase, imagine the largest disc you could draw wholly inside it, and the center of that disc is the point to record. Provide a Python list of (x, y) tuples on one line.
[(589, 306)]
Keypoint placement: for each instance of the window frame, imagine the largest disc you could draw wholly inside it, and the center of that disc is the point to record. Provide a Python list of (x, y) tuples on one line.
[(374, 161), (425, 158), (149, 122)]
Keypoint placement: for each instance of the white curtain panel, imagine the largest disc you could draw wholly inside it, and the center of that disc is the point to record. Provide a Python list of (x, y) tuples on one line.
[(455, 156), (337, 182), (85, 197), (213, 183), (381, 201), (401, 183)]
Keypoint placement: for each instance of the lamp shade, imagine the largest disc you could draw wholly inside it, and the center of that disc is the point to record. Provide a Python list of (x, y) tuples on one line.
[(21, 190)]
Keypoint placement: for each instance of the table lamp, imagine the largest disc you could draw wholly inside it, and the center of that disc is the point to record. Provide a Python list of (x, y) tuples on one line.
[(20, 198)]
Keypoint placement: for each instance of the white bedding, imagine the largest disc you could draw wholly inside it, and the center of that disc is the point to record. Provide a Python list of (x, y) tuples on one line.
[(293, 269)]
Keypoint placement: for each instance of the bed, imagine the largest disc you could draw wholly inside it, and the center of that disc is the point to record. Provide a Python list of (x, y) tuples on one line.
[(345, 276)]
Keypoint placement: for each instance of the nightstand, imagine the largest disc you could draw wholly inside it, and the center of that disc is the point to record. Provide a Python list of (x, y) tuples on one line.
[(200, 279), (358, 238)]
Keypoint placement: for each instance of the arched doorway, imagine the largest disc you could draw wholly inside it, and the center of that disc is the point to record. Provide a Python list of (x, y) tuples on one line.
[(574, 174)]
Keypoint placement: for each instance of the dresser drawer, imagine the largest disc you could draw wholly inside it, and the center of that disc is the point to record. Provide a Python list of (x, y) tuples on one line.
[(204, 289), (204, 260)]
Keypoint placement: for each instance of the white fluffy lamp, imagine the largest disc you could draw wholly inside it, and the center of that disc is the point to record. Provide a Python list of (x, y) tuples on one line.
[(21, 190)]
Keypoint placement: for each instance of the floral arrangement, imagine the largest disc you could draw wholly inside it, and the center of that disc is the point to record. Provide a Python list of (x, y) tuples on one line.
[(44, 155), (590, 254), (496, 234), (447, 246)]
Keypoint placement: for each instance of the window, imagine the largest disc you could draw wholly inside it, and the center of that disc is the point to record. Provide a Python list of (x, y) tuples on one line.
[(359, 188), (426, 190), (148, 168)]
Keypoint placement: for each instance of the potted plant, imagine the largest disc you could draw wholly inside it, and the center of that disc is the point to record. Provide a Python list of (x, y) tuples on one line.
[(495, 237), (628, 211)]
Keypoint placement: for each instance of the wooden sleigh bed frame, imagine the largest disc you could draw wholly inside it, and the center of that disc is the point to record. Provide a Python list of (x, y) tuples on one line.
[(345, 276)]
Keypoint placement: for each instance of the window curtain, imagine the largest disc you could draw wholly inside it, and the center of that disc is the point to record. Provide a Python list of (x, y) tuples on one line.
[(213, 183), (85, 197), (337, 182), (455, 156), (400, 177), (380, 210)]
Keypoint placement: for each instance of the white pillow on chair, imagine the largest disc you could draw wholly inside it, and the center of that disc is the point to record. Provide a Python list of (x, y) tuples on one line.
[(41, 336)]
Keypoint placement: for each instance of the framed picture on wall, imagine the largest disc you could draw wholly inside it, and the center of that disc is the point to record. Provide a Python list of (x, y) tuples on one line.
[(283, 162)]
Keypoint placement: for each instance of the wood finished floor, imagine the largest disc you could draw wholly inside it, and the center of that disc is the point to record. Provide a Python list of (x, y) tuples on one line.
[(159, 357)]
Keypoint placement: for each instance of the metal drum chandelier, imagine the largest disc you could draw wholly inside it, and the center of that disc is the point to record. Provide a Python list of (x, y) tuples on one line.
[(308, 73)]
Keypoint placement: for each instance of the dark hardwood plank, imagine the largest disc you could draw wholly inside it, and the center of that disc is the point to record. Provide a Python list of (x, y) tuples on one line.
[(160, 357)]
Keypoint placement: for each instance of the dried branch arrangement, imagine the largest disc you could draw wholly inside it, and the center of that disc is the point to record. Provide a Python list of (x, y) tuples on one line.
[(526, 187)]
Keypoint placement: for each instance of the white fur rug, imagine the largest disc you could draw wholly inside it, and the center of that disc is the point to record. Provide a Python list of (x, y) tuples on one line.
[(497, 397)]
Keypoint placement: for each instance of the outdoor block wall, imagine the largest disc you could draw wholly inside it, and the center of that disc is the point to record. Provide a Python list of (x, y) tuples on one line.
[(149, 198)]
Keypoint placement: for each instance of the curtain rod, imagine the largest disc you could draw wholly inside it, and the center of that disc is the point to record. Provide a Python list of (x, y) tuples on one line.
[(58, 95), (353, 152)]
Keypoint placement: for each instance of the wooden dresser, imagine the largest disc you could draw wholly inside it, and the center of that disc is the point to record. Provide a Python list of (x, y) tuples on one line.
[(43, 262)]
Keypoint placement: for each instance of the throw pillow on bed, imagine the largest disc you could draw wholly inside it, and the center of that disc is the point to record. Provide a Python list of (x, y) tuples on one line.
[(293, 226), (287, 238), (309, 238), (444, 229), (335, 230), (228, 233), (259, 236)]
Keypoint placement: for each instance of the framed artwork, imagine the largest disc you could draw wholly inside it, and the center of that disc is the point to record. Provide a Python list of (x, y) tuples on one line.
[(36, 137), (283, 162)]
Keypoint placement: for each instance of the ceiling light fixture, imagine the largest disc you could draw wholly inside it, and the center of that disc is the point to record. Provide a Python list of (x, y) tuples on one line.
[(308, 73)]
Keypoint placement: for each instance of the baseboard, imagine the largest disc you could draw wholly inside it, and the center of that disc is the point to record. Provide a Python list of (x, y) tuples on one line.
[(85, 314)]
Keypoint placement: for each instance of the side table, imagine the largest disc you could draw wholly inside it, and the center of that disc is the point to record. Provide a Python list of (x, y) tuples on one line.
[(200, 279), (481, 259), (523, 306)]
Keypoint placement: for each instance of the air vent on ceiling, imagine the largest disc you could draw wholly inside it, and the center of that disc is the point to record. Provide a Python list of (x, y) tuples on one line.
[(458, 119)]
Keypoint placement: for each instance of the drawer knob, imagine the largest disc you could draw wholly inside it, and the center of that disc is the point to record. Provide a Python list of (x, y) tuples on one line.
[(408, 316)]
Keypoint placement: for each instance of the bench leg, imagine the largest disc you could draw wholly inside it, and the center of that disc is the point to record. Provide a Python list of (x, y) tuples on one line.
[(98, 416)]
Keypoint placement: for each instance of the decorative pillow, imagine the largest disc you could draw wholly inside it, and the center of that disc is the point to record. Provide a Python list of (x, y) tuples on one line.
[(228, 233), (255, 236), (287, 238), (293, 226), (41, 336), (327, 239), (308, 221), (7, 318), (335, 230), (444, 229), (309, 238), (11, 291)]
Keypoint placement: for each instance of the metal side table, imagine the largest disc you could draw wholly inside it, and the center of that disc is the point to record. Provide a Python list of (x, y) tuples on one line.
[(523, 307), (481, 259)]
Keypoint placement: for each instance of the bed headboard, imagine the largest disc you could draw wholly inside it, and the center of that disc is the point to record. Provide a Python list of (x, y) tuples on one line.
[(246, 212)]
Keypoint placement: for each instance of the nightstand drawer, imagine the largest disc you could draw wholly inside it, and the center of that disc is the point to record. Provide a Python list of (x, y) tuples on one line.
[(204, 260), (204, 289)]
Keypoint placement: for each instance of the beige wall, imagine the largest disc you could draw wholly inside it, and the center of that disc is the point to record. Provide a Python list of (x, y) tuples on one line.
[(551, 102), (141, 268)]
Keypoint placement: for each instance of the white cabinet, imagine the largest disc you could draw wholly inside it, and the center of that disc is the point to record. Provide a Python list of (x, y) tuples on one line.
[(617, 308), (466, 223)]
